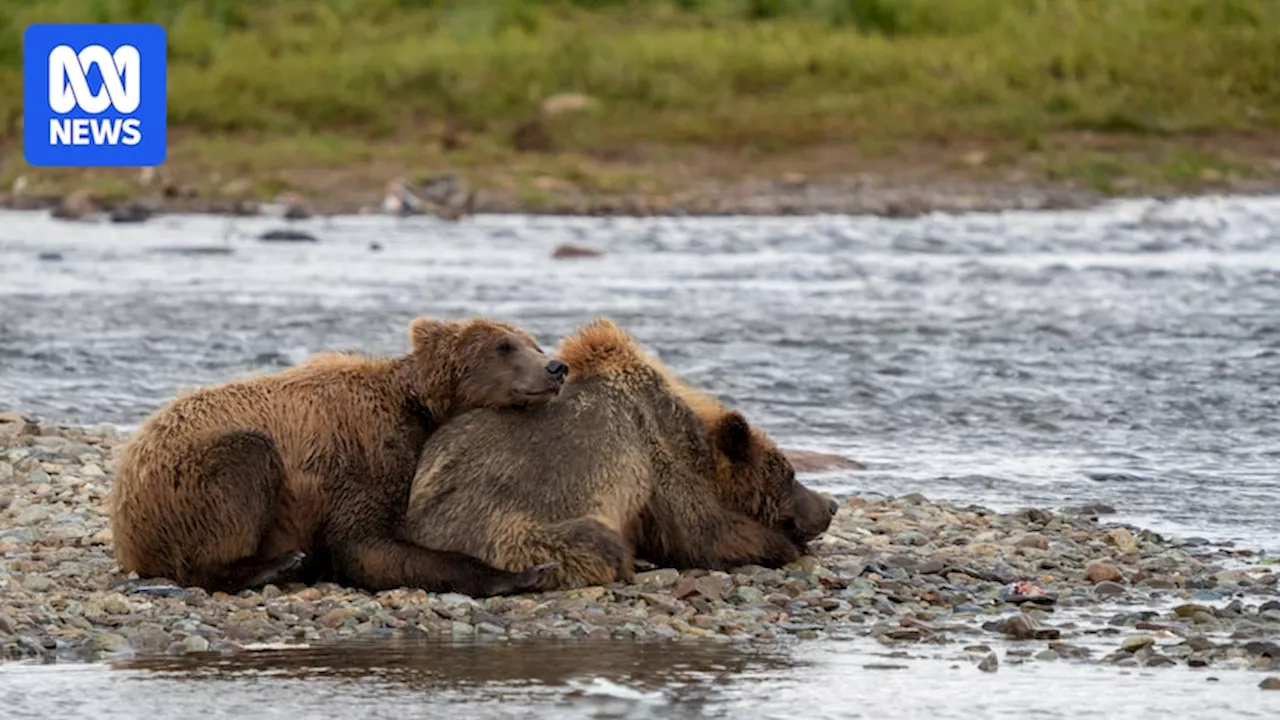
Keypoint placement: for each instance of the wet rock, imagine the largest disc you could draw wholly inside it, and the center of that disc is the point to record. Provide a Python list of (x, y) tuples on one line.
[(931, 566), (131, 212), (109, 643), (288, 235), (117, 604), (1271, 683), (1034, 516), (1046, 655), (37, 583), (1099, 571), (311, 594), (49, 256), (1025, 627), (1032, 540), (34, 514), (990, 663), (195, 644), (665, 577), (195, 250), (1135, 643), (14, 425), (1191, 609), (1200, 643), (1096, 508), (910, 538), (1068, 650), (1124, 541), (1263, 649), (563, 252), (1003, 572), (1109, 589)]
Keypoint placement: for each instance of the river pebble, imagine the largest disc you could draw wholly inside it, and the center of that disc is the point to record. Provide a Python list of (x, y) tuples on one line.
[(1046, 586)]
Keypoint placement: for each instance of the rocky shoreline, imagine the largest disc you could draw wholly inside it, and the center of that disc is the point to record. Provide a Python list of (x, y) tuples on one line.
[(914, 575), (448, 197)]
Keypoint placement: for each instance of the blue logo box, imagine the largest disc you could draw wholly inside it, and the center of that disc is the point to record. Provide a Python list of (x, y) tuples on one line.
[(94, 95)]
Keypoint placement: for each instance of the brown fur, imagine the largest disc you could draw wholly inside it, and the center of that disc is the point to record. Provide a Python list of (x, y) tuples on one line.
[(628, 461), (231, 486)]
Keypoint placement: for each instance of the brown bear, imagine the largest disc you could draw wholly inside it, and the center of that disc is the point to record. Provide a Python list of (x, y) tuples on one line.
[(233, 486), (628, 461)]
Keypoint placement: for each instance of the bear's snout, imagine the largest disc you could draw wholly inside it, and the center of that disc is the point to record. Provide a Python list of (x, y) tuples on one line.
[(558, 369), (813, 513)]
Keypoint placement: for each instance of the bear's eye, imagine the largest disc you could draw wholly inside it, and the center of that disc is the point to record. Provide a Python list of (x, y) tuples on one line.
[(506, 347)]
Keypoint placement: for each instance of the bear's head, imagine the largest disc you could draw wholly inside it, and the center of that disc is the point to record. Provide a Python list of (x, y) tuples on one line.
[(753, 475), (755, 478), (462, 365)]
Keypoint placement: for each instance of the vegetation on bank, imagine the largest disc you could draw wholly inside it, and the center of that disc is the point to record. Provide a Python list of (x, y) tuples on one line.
[(336, 79)]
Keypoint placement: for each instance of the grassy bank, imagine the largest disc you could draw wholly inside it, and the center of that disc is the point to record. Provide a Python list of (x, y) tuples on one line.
[(1111, 94)]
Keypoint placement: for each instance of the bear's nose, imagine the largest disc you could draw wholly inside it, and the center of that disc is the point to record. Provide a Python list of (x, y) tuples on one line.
[(832, 506), (557, 368)]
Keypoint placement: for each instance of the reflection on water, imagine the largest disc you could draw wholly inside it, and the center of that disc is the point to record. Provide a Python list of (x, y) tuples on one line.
[(616, 680)]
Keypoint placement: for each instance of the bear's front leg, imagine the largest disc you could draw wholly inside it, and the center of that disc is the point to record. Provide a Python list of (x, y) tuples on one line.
[(704, 535), (385, 563)]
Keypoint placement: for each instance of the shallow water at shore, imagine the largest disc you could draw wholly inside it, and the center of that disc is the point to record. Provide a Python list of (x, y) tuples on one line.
[(1127, 354), (616, 680)]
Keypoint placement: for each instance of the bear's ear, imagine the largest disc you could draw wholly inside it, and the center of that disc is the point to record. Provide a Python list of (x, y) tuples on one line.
[(733, 436), (426, 334)]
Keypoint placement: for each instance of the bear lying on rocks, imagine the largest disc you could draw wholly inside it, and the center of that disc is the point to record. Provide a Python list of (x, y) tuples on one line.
[(234, 486), (628, 461)]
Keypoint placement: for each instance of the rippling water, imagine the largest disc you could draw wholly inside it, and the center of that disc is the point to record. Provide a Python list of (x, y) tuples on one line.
[(1128, 355), (616, 680)]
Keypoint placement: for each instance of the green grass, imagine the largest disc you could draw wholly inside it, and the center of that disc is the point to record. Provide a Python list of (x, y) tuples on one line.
[(1115, 173), (766, 74)]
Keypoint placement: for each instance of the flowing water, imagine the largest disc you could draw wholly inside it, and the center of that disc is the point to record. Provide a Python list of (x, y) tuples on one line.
[(616, 680), (1128, 355)]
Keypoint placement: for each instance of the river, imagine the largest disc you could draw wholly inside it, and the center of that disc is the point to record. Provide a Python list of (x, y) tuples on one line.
[(1127, 355)]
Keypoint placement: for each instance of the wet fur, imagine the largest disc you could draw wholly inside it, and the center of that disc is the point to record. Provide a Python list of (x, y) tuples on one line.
[(234, 485), (627, 462)]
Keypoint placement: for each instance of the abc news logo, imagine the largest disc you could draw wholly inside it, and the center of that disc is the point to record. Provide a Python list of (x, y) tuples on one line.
[(69, 88), (95, 95)]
